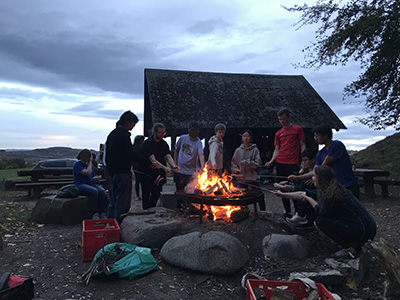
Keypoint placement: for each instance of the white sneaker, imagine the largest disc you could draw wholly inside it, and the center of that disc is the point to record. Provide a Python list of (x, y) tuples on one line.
[(95, 216), (297, 220)]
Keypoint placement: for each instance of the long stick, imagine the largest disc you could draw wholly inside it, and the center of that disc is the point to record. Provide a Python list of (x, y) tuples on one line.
[(256, 186)]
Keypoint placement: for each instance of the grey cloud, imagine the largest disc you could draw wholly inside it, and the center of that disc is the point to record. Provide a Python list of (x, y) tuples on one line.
[(208, 26)]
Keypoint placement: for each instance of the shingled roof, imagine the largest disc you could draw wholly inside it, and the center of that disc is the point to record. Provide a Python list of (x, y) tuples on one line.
[(176, 98)]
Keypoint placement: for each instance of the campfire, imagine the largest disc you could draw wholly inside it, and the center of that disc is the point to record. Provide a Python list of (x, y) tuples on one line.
[(210, 184)]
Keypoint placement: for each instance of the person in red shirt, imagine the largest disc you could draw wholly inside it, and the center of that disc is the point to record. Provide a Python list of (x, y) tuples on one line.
[(289, 143)]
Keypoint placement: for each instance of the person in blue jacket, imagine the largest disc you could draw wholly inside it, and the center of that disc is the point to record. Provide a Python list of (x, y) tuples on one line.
[(83, 172)]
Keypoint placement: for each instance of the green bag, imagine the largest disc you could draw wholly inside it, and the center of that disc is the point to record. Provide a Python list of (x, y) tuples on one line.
[(136, 261)]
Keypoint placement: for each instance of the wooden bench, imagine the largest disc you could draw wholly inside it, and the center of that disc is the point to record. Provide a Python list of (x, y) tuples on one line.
[(42, 179), (36, 188), (384, 183)]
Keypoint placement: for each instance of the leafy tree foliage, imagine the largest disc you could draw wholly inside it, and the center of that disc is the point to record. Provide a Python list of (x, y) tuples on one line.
[(11, 163), (367, 31)]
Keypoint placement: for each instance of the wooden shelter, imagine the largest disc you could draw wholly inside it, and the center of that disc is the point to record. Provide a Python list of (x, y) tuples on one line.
[(240, 101)]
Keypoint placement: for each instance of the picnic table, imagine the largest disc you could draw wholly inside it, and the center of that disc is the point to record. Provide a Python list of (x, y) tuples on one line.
[(369, 179), (42, 179)]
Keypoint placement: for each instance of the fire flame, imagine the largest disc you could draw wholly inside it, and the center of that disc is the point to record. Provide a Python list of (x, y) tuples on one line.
[(209, 183)]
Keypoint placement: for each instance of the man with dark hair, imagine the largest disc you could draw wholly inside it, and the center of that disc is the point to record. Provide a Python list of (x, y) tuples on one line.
[(289, 143), (188, 151), (119, 159), (335, 155), (152, 180)]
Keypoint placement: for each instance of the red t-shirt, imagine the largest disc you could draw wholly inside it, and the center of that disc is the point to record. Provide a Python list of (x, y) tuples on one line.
[(289, 141)]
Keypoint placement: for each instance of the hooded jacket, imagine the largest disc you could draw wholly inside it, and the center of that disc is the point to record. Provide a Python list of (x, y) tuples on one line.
[(215, 158), (247, 160)]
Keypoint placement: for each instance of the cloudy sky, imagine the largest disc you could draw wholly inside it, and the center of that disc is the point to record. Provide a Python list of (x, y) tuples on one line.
[(68, 69)]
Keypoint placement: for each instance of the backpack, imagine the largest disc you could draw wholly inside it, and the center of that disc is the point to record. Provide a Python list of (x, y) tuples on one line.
[(68, 191)]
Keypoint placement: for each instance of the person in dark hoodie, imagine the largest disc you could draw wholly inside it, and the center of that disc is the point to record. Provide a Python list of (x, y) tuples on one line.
[(246, 160), (120, 156)]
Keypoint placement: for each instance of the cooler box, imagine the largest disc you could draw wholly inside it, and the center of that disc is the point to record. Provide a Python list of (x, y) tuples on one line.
[(295, 288), (96, 234)]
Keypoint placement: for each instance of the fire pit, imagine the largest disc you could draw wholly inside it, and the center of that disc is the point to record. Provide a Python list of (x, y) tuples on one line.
[(246, 198)]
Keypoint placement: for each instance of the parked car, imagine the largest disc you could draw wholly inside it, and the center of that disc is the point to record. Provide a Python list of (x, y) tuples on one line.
[(55, 164)]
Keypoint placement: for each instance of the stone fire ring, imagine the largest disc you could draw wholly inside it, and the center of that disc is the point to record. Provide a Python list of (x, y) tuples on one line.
[(249, 197)]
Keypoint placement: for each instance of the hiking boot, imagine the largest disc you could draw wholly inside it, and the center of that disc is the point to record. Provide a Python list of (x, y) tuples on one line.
[(95, 216), (297, 220)]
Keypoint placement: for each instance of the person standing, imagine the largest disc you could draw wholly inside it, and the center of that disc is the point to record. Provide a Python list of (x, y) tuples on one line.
[(119, 159), (152, 180), (188, 152), (137, 147), (216, 149), (289, 143), (83, 172), (245, 161)]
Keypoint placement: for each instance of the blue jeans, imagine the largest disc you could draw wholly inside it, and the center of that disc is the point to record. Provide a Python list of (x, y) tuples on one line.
[(97, 195), (120, 195)]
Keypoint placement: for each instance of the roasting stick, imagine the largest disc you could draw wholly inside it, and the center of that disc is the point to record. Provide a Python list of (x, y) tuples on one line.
[(256, 186)]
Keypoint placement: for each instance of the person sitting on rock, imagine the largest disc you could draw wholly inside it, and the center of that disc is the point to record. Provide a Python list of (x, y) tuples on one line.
[(339, 214), (83, 172)]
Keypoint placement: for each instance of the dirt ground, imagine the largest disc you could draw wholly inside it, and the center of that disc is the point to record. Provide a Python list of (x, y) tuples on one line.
[(53, 256)]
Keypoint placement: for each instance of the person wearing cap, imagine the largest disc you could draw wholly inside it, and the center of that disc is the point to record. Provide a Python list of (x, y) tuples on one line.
[(188, 154)]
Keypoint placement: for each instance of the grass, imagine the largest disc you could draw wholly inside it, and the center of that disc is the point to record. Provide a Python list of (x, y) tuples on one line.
[(10, 173)]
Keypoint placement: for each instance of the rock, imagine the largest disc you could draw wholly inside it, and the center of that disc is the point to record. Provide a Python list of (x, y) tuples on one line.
[(353, 269), (150, 230), (211, 253), (285, 247), (68, 211)]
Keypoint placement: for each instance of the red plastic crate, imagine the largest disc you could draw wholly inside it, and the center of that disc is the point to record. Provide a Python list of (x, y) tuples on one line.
[(295, 288), (96, 234)]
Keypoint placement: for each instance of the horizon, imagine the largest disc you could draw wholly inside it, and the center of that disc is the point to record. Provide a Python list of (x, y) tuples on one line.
[(69, 69)]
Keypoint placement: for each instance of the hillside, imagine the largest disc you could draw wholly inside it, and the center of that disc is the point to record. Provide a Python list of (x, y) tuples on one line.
[(382, 155), (33, 156)]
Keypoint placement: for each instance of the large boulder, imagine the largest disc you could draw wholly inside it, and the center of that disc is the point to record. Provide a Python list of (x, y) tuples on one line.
[(67, 211), (151, 228), (285, 247), (211, 253)]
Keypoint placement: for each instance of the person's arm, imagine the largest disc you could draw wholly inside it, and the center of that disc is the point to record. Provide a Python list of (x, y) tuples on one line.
[(255, 161), (202, 160), (296, 178), (310, 200), (274, 156), (153, 160), (172, 163), (291, 195), (329, 160), (176, 153), (213, 154), (88, 171), (302, 145)]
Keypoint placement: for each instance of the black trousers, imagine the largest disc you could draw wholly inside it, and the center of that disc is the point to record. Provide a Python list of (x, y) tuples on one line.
[(150, 191), (286, 170)]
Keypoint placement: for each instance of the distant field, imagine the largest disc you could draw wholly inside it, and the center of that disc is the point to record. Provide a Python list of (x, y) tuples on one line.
[(10, 173)]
